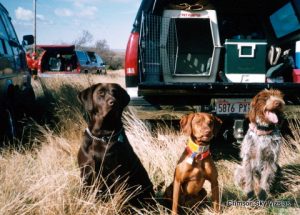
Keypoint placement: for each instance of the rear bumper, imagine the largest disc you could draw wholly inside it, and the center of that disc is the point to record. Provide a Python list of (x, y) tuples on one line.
[(214, 89), (200, 93), (131, 81)]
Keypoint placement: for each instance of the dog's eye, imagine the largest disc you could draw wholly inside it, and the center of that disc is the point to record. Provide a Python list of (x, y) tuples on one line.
[(101, 92), (114, 91), (262, 99), (210, 123)]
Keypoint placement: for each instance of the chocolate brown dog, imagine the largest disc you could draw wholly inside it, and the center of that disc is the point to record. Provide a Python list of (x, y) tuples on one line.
[(195, 164), (105, 154)]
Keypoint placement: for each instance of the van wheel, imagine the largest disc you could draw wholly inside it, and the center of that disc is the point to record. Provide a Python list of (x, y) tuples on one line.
[(33, 72), (27, 104), (11, 125), (8, 127), (85, 72)]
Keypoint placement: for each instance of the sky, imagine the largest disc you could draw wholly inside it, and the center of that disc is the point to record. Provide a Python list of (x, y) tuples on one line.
[(63, 21)]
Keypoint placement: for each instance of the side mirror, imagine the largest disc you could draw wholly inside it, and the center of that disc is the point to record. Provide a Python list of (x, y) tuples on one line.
[(28, 40)]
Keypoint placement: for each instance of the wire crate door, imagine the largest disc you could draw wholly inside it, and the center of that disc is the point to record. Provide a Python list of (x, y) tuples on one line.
[(157, 47)]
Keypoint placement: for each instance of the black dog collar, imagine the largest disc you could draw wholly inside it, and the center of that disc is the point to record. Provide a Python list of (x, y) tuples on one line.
[(118, 136), (269, 127)]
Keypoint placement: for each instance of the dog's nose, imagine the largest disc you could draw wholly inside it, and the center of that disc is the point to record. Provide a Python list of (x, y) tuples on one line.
[(111, 102), (207, 132)]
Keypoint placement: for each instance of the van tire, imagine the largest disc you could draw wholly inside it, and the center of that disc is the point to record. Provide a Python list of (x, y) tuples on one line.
[(27, 105), (8, 127), (11, 124)]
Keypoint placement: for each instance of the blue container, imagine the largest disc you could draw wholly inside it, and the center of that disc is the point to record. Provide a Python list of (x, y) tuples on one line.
[(298, 60), (297, 55)]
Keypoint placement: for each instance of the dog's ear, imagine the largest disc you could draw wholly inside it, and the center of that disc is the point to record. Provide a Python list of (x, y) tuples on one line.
[(217, 125), (125, 98), (186, 124), (86, 97), (252, 112)]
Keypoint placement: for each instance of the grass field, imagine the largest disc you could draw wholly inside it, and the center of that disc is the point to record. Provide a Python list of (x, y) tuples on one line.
[(41, 176)]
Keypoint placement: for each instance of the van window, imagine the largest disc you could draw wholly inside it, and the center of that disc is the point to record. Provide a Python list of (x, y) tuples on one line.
[(2, 48), (81, 55), (99, 59), (10, 30), (8, 48), (2, 29), (93, 58)]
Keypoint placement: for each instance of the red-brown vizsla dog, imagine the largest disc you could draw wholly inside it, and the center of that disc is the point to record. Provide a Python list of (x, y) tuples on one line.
[(195, 164)]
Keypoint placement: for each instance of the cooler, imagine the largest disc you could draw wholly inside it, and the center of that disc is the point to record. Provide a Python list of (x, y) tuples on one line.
[(245, 60)]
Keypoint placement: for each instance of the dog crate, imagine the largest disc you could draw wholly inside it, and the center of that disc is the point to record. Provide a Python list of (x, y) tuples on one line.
[(180, 46)]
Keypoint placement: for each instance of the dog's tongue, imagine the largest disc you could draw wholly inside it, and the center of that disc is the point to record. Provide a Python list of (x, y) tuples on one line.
[(271, 116)]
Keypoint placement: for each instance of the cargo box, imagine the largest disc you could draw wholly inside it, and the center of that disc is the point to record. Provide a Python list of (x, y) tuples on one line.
[(245, 60)]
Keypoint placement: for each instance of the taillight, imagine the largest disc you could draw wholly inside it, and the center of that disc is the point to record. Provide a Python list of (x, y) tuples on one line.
[(39, 66), (78, 67), (131, 60)]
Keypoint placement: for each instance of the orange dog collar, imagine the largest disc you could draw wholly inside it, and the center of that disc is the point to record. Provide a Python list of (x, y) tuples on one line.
[(196, 151)]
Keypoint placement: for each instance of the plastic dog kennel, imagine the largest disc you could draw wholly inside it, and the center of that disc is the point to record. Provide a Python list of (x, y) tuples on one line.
[(180, 46)]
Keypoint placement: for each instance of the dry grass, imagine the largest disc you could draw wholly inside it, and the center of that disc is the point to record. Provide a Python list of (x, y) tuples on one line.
[(44, 178)]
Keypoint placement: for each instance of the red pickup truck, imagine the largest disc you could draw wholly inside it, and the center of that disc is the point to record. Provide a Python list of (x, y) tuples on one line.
[(53, 59)]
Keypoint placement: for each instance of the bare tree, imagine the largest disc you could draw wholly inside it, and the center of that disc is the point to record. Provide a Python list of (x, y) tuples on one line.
[(110, 57), (85, 38), (100, 47)]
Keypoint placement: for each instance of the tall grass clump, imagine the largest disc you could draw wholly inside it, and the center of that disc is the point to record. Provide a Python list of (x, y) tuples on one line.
[(45, 178)]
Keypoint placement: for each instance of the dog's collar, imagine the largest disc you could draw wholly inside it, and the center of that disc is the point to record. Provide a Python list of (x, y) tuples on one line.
[(262, 129), (196, 151), (106, 138), (269, 127)]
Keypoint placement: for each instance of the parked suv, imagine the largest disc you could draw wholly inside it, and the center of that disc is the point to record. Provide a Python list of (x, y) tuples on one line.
[(16, 93), (212, 56)]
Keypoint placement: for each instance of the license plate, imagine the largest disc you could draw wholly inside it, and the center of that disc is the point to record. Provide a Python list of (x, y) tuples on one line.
[(232, 106)]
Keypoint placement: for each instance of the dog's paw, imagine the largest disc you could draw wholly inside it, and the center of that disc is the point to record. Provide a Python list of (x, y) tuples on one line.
[(202, 193), (250, 195), (262, 195)]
